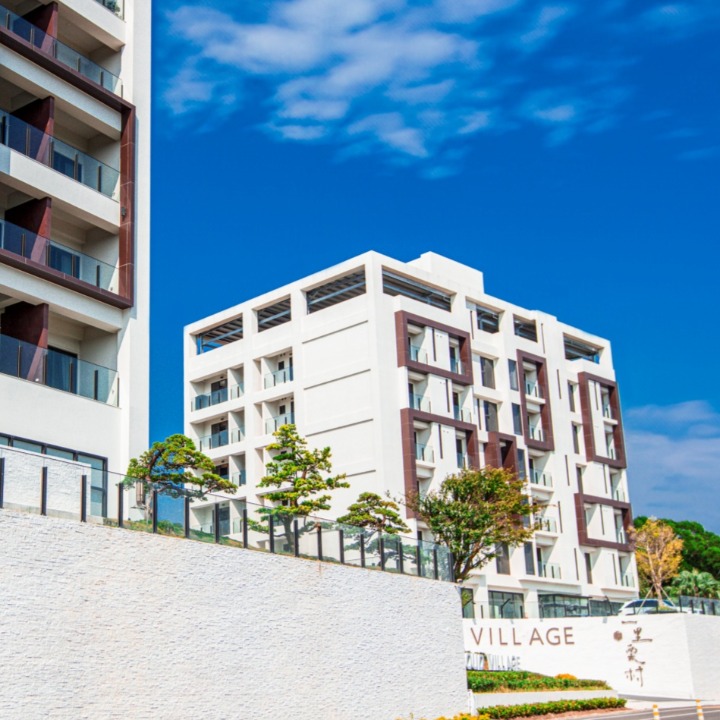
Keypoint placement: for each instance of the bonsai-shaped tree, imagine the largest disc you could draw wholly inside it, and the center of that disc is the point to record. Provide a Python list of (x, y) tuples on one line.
[(298, 475), (174, 467), (473, 513), (371, 511), (658, 552)]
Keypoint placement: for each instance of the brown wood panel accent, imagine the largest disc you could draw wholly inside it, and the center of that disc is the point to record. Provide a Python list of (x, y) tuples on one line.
[(46, 18), (583, 538), (548, 444), (493, 451), (403, 319), (39, 114), (407, 431), (591, 453), (28, 323), (33, 215)]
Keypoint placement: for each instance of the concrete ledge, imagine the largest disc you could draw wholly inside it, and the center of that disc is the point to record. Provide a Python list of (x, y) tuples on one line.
[(521, 698)]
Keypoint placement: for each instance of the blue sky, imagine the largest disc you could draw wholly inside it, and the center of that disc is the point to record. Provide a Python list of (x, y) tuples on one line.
[(569, 150)]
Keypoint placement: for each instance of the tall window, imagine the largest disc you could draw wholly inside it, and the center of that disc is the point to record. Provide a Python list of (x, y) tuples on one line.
[(512, 367), (517, 419), (487, 372), (571, 396), (502, 558), (491, 416)]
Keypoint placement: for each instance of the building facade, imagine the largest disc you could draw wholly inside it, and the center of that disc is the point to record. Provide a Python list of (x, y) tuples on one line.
[(410, 371), (74, 231)]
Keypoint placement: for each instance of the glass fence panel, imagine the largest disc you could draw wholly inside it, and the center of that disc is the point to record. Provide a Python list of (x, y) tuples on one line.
[(170, 516), (409, 555), (372, 549), (136, 513), (427, 560), (201, 522), (392, 547), (307, 538), (445, 571), (331, 542), (351, 544)]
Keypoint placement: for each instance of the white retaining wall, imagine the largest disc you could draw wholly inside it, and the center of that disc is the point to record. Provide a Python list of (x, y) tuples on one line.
[(671, 655), (106, 623)]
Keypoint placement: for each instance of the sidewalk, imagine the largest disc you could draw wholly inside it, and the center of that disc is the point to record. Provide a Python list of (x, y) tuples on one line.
[(638, 703)]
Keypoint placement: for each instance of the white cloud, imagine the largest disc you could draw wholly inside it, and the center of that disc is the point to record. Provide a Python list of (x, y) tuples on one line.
[(674, 461)]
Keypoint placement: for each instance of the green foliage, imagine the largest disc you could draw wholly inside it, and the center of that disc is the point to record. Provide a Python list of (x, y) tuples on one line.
[(473, 512), (176, 468), (520, 681), (371, 511), (695, 584), (297, 473), (507, 712), (701, 548)]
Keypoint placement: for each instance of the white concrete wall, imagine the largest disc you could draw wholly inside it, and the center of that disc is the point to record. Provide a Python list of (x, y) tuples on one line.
[(106, 623), (670, 656)]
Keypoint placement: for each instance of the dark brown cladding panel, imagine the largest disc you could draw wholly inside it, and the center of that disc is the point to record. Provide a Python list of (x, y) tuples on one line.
[(494, 452), (28, 323), (126, 295), (33, 215), (403, 319), (548, 444), (619, 462), (46, 18), (583, 538)]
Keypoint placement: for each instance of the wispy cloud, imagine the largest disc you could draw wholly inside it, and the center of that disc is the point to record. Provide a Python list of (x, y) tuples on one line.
[(674, 461), (408, 79)]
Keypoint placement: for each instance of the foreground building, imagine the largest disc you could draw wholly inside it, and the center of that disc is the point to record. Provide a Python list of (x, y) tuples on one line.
[(74, 231), (409, 371)]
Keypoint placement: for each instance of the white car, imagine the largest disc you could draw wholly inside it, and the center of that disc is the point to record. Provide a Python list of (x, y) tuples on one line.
[(648, 606)]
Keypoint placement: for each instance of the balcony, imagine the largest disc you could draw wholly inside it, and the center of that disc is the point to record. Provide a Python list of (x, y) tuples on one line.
[(417, 354), (540, 478), (536, 433), (114, 6), (547, 524), (71, 162), (61, 52), (627, 580), (239, 478), (216, 440), (462, 415), (551, 571), (274, 423), (611, 453), (419, 402), (462, 460), (278, 377), (456, 365), (424, 453), (216, 397), (619, 494), (532, 389), (39, 249), (607, 412), (621, 536), (58, 370)]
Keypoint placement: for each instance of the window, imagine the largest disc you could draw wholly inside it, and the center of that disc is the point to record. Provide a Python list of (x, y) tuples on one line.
[(576, 438), (502, 558), (505, 604), (522, 472), (336, 291), (487, 372), (579, 350), (517, 419), (571, 396), (491, 416), (487, 320), (468, 603), (529, 559), (588, 567), (512, 368), (220, 335), (273, 315), (525, 328), (455, 362), (394, 284)]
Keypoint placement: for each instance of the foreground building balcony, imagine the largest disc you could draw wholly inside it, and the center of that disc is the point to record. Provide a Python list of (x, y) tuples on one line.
[(46, 149), (60, 51), (45, 251), (200, 402), (274, 423), (58, 370)]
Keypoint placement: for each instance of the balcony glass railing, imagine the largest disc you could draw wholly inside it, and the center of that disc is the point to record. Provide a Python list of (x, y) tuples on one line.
[(61, 52), (607, 412), (541, 478), (114, 6), (417, 354), (239, 478), (462, 415), (536, 433), (462, 460), (456, 365), (274, 423), (216, 397), (58, 257), (621, 537), (619, 495), (58, 370), (533, 389), (424, 453), (71, 162), (611, 453), (278, 377), (546, 524), (627, 581), (418, 402), (550, 571), (215, 440)]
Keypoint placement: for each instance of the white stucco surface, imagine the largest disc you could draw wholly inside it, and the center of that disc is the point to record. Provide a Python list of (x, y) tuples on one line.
[(668, 656), (105, 623)]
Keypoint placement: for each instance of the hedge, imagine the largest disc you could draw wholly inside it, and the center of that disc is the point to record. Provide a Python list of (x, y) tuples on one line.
[(506, 712), (506, 681)]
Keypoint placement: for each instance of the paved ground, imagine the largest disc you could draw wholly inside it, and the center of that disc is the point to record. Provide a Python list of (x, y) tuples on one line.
[(641, 709)]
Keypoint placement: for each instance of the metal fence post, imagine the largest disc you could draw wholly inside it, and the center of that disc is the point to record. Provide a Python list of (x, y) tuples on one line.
[(362, 549), (216, 522), (401, 566), (435, 562), (121, 500), (341, 540), (2, 482), (244, 528), (451, 566), (271, 526), (296, 537), (43, 491), (186, 518), (154, 504), (83, 498), (382, 553), (319, 540), (418, 557)]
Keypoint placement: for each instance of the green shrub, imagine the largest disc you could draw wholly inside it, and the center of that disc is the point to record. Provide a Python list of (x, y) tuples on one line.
[(523, 681), (507, 712)]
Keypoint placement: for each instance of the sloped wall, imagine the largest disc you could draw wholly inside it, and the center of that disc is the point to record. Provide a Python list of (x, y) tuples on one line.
[(105, 623)]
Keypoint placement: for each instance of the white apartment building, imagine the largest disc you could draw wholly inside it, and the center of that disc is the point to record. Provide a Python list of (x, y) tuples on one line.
[(409, 371), (74, 231)]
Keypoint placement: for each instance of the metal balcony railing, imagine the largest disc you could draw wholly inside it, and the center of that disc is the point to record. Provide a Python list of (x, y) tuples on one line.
[(419, 402), (417, 354), (533, 389), (550, 571), (216, 397), (541, 478)]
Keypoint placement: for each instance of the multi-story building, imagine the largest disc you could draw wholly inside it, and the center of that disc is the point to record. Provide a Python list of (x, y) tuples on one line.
[(410, 371), (74, 231)]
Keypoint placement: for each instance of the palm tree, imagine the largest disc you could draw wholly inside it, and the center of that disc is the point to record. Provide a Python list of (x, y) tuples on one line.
[(696, 584)]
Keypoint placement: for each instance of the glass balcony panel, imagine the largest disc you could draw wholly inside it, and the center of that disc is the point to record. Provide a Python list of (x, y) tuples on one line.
[(462, 460), (541, 478), (417, 354), (456, 365), (114, 6), (462, 415), (37, 145), (239, 478), (278, 377), (536, 433), (419, 402), (215, 440), (272, 424), (424, 453), (533, 389), (550, 571)]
